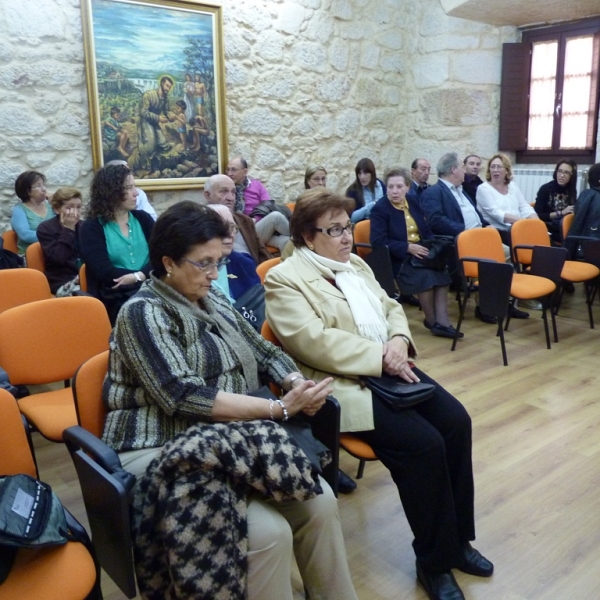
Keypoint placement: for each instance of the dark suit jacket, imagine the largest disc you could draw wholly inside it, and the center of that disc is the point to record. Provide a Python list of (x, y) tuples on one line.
[(248, 230), (442, 210), (388, 228), (243, 269)]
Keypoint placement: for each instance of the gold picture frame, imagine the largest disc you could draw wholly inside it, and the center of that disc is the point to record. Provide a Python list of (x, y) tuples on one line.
[(156, 89)]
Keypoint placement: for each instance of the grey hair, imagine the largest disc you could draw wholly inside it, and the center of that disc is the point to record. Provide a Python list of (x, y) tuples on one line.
[(447, 163)]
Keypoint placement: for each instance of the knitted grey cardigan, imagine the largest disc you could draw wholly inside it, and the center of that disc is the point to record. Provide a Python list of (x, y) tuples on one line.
[(168, 360)]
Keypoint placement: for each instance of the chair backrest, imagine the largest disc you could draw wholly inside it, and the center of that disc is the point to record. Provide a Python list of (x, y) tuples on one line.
[(495, 280), (362, 235), (34, 256), (87, 391), (16, 456), (381, 264), (21, 286), (291, 205), (566, 223), (10, 240), (264, 267), (591, 252), (527, 232), (479, 243), (548, 262), (269, 335), (83, 278), (46, 341)]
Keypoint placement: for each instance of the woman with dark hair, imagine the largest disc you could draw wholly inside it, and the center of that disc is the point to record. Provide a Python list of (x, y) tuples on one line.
[(30, 187), (114, 239), (183, 367), (556, 198), (60, 245), (398, 223), (586, 221), (332, 316), (365, 191)]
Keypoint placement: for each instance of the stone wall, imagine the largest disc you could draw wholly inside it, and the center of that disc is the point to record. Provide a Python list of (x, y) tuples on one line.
[(308, 81)]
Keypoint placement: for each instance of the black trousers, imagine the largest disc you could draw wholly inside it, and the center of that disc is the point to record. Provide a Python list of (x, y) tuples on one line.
[(428, 452)]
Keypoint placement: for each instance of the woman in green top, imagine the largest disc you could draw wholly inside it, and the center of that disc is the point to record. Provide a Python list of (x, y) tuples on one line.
[(30, 187), (114, 239)]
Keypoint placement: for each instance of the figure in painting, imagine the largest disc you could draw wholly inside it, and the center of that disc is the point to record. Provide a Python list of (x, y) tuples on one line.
[(115, 135), (199, 93), (188, 90), (154, 108), (177, 116)]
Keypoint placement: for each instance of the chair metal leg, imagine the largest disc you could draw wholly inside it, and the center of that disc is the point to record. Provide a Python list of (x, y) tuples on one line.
[(508, 312), (588, 299), (460, 318), (500, 334), (361, 468), (546, 328)]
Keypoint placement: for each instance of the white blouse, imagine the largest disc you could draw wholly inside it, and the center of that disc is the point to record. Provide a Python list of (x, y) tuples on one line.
[(494, 205)]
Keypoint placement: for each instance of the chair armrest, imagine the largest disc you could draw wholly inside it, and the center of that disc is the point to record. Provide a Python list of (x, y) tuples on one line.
[(581, 237), (78, 438), (362, 245), (447, 238), (82, 293), (518, 247)]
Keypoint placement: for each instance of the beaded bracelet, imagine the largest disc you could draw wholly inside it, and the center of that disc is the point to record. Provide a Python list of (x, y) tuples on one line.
[(286, 416), (271, 410)]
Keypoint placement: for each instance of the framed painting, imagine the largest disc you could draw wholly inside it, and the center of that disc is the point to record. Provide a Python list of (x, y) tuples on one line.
[(156, 89)]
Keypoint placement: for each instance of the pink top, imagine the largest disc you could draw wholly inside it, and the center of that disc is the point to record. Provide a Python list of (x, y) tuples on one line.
[(253, 194)]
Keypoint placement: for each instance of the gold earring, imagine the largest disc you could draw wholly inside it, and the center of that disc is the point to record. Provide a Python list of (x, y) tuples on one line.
[(311, 247)]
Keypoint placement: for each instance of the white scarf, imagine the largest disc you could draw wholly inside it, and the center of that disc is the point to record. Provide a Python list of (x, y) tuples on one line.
[(366, 308)]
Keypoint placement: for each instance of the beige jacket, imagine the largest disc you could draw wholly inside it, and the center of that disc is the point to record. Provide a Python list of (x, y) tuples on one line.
[(312, 319)]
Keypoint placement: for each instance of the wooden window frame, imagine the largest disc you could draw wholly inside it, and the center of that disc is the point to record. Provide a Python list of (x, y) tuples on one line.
[(514, 94)]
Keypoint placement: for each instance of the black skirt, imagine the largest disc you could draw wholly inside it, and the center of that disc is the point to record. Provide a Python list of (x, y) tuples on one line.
[(414, 280)]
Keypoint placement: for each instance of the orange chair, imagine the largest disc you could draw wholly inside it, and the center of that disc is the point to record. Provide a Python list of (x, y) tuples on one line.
[(83, 278), (291, 206), (485, 244), (264, 267), (44, 342), (362, 238), (34, 257), (10, 241), (565, 225), (21, 286), (351, 444), (527, 233), (65, 572)]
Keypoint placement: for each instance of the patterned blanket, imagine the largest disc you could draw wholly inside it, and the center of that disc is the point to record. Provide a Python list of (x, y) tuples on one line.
[(189, 510)]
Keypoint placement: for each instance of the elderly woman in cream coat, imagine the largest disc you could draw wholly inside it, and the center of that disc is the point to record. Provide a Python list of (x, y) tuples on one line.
[(332, 316)]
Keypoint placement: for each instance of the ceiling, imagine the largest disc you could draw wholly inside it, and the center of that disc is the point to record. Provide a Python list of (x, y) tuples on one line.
[(521, 13)]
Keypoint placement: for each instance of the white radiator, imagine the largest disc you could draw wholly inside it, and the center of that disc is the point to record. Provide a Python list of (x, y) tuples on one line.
[(530, 181)]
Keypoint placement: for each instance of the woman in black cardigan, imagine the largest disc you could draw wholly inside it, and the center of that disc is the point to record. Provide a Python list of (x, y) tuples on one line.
[(398, 223), (58, 238), (114, 239)]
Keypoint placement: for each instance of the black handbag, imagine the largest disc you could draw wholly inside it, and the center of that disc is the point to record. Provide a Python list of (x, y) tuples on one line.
[(251, 305), (439, 252), (262, 209), (397, 393)]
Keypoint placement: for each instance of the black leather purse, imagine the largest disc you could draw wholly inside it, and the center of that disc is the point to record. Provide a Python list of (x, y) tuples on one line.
[(439, 252), (397, 393)]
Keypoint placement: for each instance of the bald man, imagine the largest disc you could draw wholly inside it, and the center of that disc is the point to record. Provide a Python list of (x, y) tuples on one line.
[(220, 189)]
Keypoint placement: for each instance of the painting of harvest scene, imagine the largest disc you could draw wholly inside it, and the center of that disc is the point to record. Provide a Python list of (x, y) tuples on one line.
[(155, 88)]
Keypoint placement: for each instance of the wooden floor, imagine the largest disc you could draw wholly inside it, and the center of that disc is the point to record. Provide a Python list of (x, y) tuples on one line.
[(536, 460)]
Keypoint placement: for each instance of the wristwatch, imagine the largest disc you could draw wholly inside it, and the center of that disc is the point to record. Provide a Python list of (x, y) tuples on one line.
[(405, 338), (137, 277)]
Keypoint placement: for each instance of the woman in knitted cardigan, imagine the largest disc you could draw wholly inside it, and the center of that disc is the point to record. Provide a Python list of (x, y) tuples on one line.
[(180, 355)]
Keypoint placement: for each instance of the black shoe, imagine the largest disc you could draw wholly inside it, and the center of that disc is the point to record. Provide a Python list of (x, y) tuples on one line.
[(426, 323), (568, 287), (515, 313), (439, 586), (345, 483), (410, 300), (474, 563), (447, 332), (485, 318)]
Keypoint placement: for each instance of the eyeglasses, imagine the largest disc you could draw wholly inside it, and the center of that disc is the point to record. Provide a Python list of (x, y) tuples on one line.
[(233, 228), (207, 266), (319, 179), (565, 173), (496, 167), (336, 230)]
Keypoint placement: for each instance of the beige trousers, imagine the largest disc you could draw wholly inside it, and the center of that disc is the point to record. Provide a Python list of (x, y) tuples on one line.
[(278, 531)]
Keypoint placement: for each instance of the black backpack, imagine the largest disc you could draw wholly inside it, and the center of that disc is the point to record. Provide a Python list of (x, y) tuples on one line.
[(31, 516), (8, 259)]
